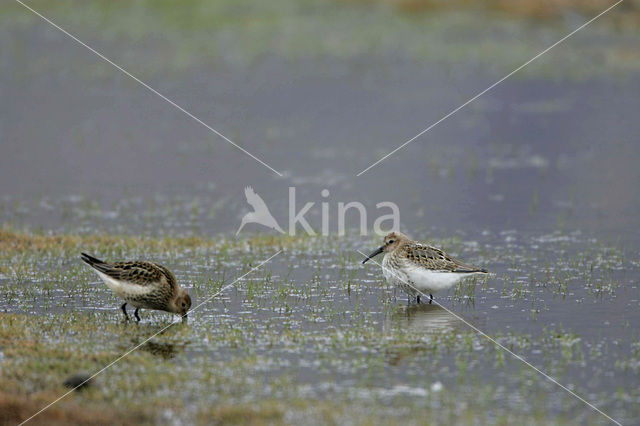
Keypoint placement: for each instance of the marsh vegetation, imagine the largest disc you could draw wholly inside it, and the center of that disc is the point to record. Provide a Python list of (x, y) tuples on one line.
[(536, 181)]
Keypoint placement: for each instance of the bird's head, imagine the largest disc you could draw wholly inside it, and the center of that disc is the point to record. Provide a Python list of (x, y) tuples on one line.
[(182, 303), (391, 241)]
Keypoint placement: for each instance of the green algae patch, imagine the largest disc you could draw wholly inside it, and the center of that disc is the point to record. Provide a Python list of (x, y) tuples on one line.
[(13, 241)]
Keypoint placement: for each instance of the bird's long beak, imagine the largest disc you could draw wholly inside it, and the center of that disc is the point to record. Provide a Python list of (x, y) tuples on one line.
[(374, 254)]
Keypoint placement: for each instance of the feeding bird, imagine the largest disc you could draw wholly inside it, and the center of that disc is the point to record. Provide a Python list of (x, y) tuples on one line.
[(142, 284), (419, 268)]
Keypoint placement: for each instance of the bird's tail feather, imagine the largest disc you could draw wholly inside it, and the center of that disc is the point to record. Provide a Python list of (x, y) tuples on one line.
[(90, 260)]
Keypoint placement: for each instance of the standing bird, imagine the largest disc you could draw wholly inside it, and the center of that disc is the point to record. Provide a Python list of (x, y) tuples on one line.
[(419, 268), (143, 285), (260, 213)]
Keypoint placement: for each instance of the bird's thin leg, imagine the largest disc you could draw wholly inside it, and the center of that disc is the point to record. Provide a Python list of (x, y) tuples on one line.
[(135, 313), (430, 298), (124, 309), (418, 299)]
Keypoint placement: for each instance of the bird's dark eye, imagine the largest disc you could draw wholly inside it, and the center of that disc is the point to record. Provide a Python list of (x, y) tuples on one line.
[(390, 241), (184, 304)]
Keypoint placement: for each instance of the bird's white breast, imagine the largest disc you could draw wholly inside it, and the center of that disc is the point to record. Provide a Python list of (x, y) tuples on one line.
[(430, 280), (423, 279)]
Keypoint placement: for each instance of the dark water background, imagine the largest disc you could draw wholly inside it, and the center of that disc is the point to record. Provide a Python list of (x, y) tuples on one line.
[(537, 173)]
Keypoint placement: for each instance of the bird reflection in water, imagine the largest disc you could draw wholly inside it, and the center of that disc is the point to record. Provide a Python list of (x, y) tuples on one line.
[(423, 319), (162, 350), (418, 320)]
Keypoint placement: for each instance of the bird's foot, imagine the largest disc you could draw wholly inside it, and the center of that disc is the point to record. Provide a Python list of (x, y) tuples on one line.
[(135, 313)]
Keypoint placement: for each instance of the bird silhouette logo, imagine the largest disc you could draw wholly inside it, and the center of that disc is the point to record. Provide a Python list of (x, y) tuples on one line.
[(260, 213)]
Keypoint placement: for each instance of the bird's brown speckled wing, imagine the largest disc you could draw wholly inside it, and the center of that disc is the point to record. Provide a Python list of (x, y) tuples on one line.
[(171, 279), (135, 272), (138, 272), (433, 258)]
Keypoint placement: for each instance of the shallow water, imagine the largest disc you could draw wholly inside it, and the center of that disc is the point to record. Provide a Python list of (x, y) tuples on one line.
[(536, 181)]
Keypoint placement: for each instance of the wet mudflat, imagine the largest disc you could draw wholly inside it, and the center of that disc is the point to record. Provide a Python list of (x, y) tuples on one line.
[(313, 327), (536, 181)]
